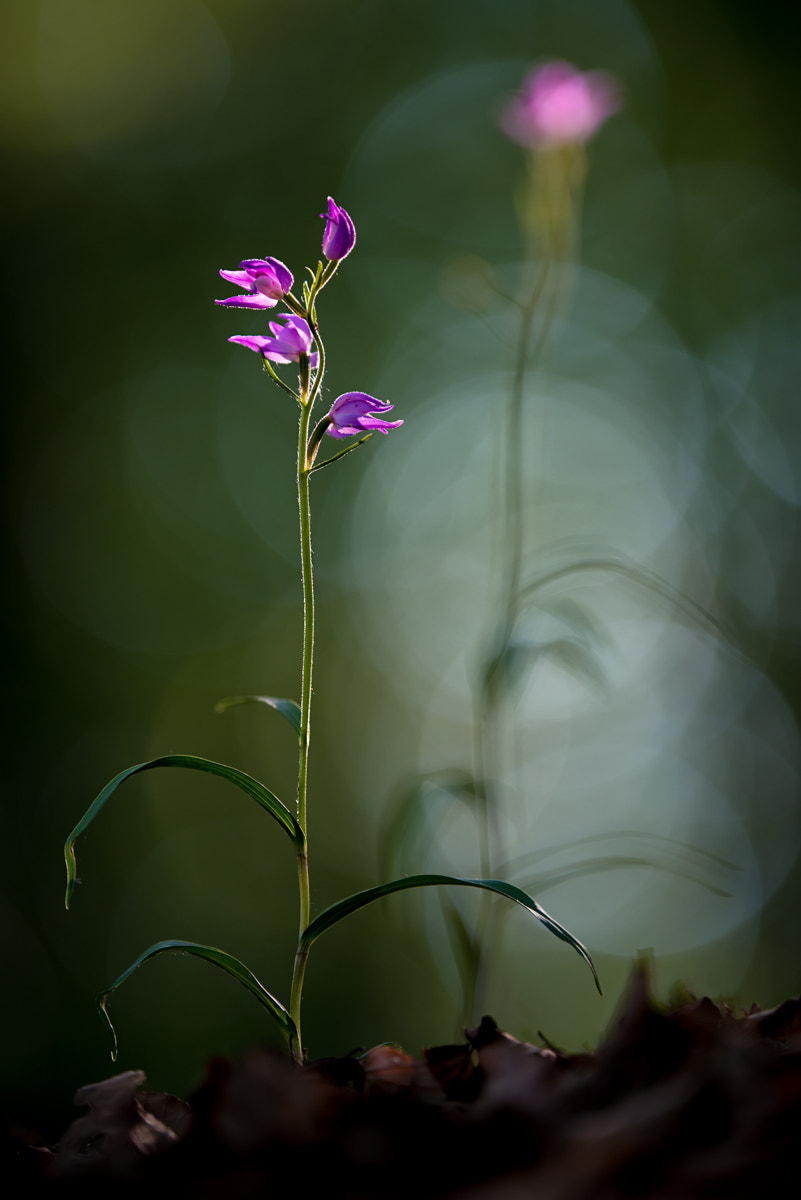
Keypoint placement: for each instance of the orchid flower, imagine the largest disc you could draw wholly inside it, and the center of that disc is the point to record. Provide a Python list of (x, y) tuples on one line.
[(559, 105), (288, 344), (265, 280), (351, 414), (340, 233)]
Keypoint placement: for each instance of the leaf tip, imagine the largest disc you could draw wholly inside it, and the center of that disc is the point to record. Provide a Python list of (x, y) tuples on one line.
[(71, 865), (591, 965), (102, 1001)]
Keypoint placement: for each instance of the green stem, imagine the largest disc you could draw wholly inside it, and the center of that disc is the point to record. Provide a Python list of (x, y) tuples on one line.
[(296, 995), (486, 714), (301, 955), (514, 456), (308, 610), (486, 719), (305, 711)]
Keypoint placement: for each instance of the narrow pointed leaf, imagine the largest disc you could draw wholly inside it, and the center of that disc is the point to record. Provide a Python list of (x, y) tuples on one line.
[(417, 813), (568, 613), (662, 852), (288, 709), (352, 904), (522, 656), (246, 783), (219, 958), (580, 661), (615, 564), (597, 866)]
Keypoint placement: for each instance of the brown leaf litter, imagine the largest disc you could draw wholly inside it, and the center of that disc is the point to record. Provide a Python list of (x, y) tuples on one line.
[(693, 1104)]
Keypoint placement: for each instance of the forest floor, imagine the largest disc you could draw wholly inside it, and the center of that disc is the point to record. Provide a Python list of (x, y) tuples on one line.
[(697, 1102)]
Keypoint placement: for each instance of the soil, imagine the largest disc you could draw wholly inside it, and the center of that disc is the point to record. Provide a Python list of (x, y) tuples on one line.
[(697, 1102)]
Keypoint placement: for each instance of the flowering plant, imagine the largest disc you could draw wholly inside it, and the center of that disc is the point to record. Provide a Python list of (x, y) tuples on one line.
[(296, 339), (553, 116)]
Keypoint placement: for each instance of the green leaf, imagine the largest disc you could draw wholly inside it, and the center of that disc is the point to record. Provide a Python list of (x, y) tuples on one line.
[(352, 904), (567, 612), (418, 811), (246, 783), (615, 564), (521, 656), (597, 866), (288, 709), (667, 854), (219, 958), (579, 660)]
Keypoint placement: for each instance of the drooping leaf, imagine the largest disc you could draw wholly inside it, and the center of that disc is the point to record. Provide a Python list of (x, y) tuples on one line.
[(219, 958), (519, 658), (670, 855), (615, 564), (566, 612), (670, 844), (246, 783), (597, 866), (288, 709), (343, 908), (418, 810), (577, 658)]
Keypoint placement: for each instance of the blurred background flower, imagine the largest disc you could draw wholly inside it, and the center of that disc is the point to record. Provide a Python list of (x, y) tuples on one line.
[(559, 104), (151, 554)]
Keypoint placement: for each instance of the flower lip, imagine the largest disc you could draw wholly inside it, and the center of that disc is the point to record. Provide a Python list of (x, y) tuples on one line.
[(559, 105), (339, 237), (265, 280), (353, 413), (288, 344)]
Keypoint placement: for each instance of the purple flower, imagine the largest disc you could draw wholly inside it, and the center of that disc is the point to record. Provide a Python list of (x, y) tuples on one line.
[(559, 104), (340, 235), (266, 281), (352, 414), (289, 342)]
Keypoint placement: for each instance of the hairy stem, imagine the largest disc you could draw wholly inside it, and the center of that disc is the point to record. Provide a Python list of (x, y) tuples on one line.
[(296, 995), (305, 709), (308, 612)]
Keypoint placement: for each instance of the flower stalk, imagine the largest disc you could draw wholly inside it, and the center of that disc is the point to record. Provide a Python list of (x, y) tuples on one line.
[(308, 393), (296, 338)]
